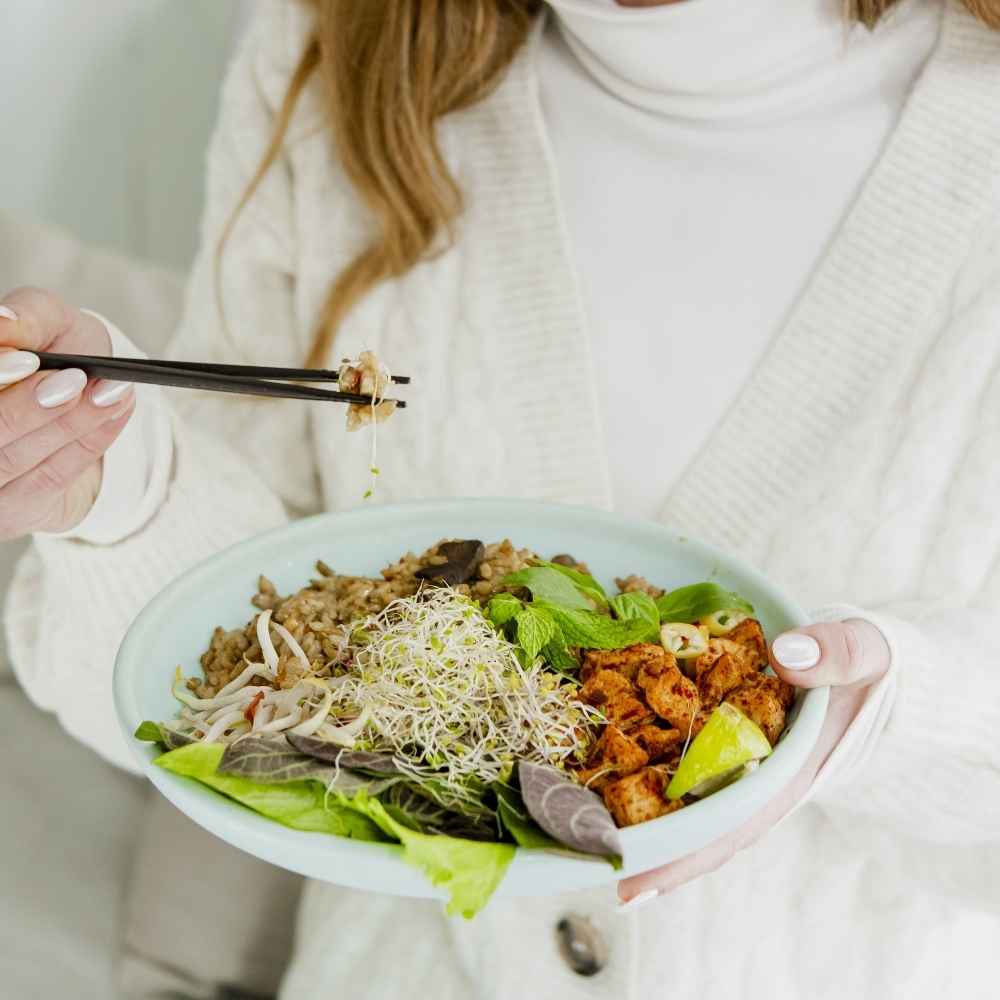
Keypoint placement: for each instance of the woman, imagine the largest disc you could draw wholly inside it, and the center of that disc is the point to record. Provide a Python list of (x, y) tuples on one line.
[(731, 265)]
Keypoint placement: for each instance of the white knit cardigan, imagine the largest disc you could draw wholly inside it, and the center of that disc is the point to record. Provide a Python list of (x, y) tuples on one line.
[(860, 463)]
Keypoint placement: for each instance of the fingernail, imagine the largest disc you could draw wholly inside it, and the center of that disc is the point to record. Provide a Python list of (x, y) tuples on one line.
[(60, 388), (16, 365), (796, 651), (107, 393), (640, 900), (7, 313)]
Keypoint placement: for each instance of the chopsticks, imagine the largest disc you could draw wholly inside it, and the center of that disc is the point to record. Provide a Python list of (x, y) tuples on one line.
[(251, 380)]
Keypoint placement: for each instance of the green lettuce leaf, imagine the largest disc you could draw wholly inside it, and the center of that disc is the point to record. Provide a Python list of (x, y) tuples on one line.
[(301, 805), (583, 581), (548, 584), (148, 732), (638, 606), (557, 655), (688, 604), (469, 870)]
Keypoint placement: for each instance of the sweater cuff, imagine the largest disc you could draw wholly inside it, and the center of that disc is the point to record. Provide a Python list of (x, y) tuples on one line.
[(136, 468)]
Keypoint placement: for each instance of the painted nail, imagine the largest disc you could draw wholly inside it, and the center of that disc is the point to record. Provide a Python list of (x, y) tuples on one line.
[(60, 388), (796, 651), (7, 313), (107, 393), (640, 900), (16, 365)]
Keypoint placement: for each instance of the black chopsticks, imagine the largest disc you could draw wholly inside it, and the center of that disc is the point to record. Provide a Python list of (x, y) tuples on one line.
[(251, 380)]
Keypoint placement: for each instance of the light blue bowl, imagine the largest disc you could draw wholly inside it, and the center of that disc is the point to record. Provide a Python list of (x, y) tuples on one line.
[(175, 627)]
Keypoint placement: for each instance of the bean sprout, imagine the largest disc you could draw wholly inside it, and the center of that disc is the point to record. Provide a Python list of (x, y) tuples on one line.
[(431, 682), (448, 695), (267, 649), (291, 643)]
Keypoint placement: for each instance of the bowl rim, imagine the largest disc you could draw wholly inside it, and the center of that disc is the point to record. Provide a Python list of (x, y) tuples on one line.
[(755, 789)]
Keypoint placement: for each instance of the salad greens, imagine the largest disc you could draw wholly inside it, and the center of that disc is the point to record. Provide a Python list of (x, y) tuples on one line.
[(569, 609), (301, 805), (516, 819), (573, 815), (319, 794), (534, 630), (548, 583), (470, 870), (584, 582), (688, 604), (638, 606)]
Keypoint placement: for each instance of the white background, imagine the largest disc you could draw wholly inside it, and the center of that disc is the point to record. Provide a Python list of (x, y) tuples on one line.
[(105, 113)]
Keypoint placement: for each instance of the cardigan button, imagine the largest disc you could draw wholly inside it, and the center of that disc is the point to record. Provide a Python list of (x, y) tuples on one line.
[(581, 945)]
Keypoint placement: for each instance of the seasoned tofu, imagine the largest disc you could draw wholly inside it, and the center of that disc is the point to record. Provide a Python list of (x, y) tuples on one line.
[(669, 693), (750, 635), (639, 797), (615, 696), (722, 677), (614, 755), (657, 741), (764, 700), (730, 660), (784, 692), (628, 661)]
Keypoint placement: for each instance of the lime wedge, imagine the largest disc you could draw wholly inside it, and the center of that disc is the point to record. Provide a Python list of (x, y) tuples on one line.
[(719, 754)]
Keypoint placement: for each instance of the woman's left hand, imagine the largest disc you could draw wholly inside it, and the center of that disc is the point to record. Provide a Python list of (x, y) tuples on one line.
[(849, 656)]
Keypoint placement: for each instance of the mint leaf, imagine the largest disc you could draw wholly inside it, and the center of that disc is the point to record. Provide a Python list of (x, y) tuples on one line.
[(688, 604), (584, 582), (534, 630), (638, 606), (590, 630), (502, 608), (148, 732), (557, 655), (547, 584)]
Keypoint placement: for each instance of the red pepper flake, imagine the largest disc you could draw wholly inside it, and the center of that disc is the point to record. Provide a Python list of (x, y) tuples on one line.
[(251, 710)]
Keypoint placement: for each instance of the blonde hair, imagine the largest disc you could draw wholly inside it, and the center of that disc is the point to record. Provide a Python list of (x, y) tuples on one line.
[(389, 70)]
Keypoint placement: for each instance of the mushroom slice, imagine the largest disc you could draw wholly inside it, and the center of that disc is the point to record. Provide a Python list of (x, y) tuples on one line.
[(462, 559)]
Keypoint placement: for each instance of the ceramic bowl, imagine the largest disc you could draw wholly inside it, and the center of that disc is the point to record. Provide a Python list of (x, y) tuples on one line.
[(175, 627)]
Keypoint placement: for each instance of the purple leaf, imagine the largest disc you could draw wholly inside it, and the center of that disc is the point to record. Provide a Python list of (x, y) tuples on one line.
[(358, 760), (565, 810)]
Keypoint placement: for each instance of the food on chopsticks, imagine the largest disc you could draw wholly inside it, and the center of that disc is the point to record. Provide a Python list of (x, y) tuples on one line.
[(371, 377), (476, 699)]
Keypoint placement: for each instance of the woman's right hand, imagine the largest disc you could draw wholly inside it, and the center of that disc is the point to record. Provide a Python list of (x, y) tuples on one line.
[(54, 426)]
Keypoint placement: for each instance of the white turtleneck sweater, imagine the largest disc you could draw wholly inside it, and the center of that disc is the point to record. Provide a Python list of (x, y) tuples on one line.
[(706, 152)]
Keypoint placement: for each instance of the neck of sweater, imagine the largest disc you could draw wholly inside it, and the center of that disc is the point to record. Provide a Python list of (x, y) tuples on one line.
[(707, 152), (713, 59)]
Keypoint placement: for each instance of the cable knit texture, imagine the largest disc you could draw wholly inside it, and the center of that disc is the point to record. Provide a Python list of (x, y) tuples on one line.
[(859, 463)]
